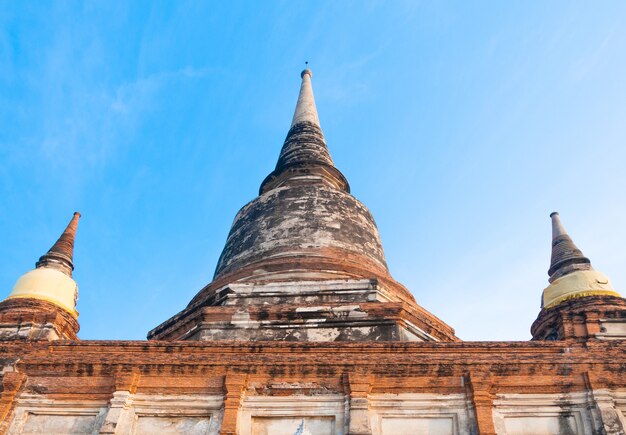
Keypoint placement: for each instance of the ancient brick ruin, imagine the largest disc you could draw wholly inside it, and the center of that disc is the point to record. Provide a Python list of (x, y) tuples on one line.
[(304, 331)]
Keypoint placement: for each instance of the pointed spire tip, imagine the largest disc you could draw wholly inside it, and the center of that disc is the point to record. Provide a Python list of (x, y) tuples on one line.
[(61, 254), (557, 226), (305, 107), (566, 257)]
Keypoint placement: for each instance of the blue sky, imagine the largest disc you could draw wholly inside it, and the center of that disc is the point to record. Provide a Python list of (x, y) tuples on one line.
[(461, 125)]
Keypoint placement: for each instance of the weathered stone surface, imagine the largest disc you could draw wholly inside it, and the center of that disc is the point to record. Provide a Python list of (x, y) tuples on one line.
[(60, 256), (59, 424), (565, 257), (601, 317), (149, 424), (304, 144), (33, 319), (338, 310), (301, 221), (396, 387)]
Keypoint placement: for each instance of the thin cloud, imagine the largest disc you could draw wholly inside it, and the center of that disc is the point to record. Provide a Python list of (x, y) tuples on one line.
[(137, 95)]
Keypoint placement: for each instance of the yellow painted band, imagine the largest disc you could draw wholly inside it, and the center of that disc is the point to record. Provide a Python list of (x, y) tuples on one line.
[(581, 295)]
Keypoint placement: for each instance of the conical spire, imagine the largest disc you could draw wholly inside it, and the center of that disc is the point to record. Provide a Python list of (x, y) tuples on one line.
[(305, 150), (566, 257), (61, 255), (305, 143)]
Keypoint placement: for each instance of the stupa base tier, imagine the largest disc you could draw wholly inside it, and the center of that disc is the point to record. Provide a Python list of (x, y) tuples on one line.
[(32, 319), (338, 310), (583, 318)]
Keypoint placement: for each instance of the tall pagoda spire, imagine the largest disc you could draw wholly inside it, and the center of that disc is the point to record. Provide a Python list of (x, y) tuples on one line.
[(61, 255), (304, 246), (571, 274), (578, 297), (45, 298), (304, 157), (566, 257)]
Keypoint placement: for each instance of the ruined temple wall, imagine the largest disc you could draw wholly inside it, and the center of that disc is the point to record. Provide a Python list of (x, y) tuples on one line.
[(380, 414), (325, 388)]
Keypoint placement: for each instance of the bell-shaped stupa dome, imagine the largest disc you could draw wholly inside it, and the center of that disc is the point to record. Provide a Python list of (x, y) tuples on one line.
[(305, 219)]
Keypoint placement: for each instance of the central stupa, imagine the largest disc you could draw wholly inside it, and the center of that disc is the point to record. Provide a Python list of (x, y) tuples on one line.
[(303, 261)]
